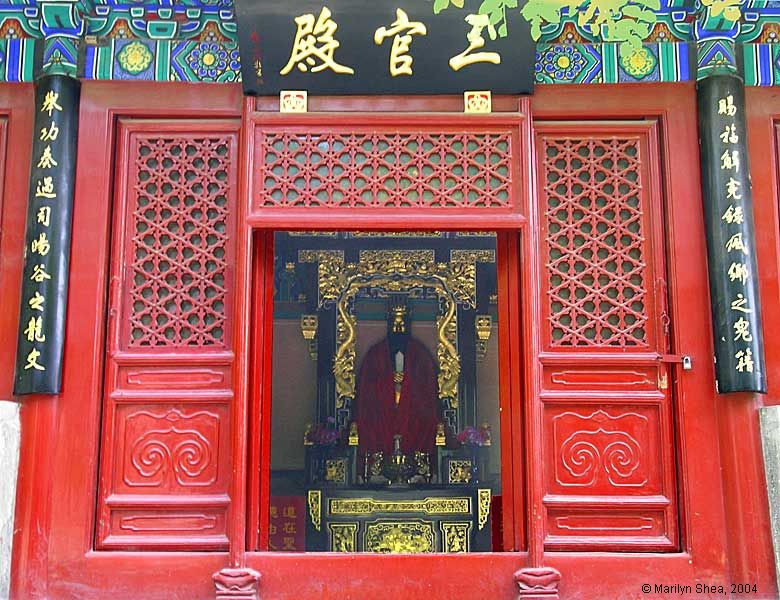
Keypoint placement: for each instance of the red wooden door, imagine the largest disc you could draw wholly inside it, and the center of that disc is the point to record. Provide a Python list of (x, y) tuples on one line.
[(166, 441), (606, 395)]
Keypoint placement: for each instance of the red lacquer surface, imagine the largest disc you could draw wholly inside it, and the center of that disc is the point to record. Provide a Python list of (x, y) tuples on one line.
[(55, 553)]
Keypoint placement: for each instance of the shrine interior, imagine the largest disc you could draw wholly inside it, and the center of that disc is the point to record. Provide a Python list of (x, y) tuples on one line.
[(385, 411)]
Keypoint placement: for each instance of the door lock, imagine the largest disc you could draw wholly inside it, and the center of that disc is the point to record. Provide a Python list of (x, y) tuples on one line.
[(679, 359)]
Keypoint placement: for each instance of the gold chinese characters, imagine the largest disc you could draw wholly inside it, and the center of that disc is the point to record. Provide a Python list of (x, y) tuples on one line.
[(736, 245), (40, 244), (315, 44), (403, 30)]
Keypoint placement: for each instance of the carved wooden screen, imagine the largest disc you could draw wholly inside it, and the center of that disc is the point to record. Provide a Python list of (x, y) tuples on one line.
[(352, 166), (166, 452), (608, 442)]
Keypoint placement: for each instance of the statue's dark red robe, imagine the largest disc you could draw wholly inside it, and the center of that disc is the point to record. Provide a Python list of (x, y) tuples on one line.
[(416, 415)]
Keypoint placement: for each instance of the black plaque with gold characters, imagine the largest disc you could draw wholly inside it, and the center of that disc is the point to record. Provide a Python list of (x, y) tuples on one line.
[(381, 47), (47, 242), (728, 204)]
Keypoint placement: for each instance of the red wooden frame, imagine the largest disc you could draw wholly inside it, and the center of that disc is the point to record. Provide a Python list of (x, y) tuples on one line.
[(16, 111), (53, 547), (259, 491)]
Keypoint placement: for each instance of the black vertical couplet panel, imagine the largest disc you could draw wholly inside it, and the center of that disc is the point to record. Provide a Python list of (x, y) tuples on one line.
[(728, 207), (47, 243)]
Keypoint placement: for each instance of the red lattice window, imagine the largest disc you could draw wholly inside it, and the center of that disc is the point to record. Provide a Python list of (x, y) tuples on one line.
[(386, 170), (595, 241), (178, 255)]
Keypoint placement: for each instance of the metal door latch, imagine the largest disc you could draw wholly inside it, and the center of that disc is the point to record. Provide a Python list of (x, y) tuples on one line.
[(680, 359)]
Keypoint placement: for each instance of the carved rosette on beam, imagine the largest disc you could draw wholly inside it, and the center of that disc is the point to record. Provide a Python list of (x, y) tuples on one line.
[(728, 208), (47, 243)]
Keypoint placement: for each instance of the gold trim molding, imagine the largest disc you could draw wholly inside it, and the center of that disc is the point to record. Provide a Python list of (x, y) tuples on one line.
[(429, 506), (309, 326), (315, 508), (343, 537), (484, 497), (455, 536), (483, 328), (478, 102), (475, 256), (400, 537)]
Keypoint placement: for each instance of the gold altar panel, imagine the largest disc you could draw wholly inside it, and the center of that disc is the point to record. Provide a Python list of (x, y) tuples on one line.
[(429, 506), (455, 536), (343, 537), (400, 537)]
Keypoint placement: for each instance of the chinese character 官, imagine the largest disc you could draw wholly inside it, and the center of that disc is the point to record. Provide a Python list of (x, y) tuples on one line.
[(47, 160), (314, 42), (50, 103), (32, 361), (478, 24), (400, 61), (34, 331)]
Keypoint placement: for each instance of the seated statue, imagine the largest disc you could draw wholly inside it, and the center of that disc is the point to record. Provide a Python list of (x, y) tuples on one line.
[(397, 392)]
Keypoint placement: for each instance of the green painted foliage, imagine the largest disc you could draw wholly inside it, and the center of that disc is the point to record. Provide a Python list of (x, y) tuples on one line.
[(627, 22)]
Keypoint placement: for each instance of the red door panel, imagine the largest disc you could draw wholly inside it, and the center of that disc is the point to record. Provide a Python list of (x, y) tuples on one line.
[(609, 471), (166, 463)]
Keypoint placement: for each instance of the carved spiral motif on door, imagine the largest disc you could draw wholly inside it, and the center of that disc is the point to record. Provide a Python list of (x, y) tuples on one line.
[(602, 447), (188, 458), (582, 458), (179, 450)]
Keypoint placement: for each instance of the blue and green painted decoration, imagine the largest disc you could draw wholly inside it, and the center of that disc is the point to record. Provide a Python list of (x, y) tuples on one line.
[(578, 41)]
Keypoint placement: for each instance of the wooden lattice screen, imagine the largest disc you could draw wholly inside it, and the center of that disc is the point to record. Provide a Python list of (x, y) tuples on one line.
[(166, 454)]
